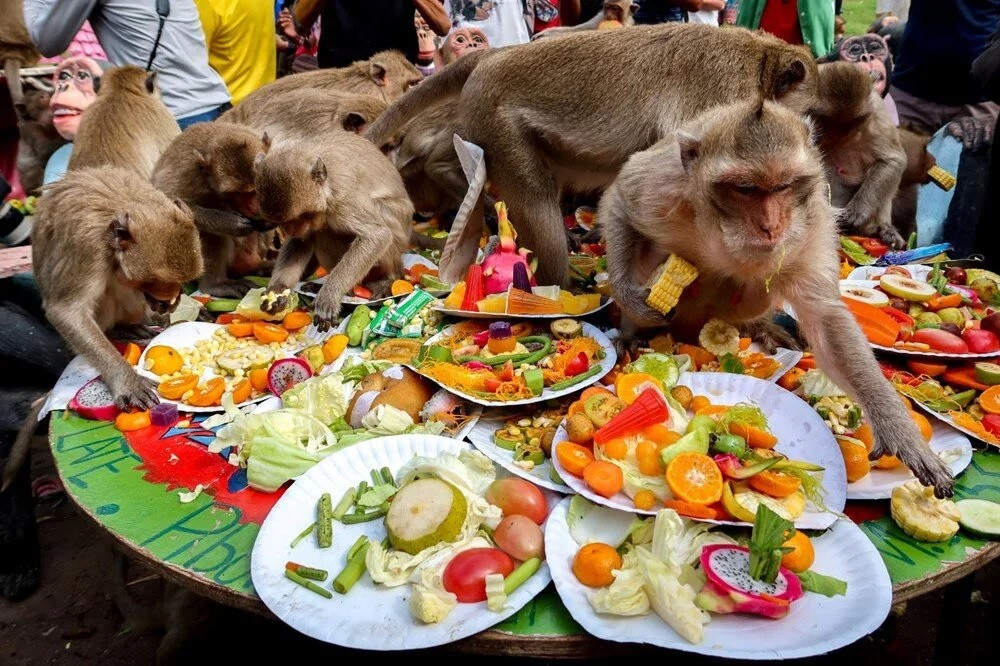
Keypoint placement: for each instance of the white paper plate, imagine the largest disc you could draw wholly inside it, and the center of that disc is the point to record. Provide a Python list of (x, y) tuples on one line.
[(370, 616), (409, 261), (946, 418), (801, 433), (918, 271), (934, 354), (814, 625), (880, 482), (465, 314), (481, 437), (589, 330), (786, 357)]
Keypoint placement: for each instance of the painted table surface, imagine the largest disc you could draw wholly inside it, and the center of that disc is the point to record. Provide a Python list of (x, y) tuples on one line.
[(131, 488)]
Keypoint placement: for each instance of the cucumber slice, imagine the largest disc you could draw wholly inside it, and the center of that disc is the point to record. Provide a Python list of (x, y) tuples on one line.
[(509, 438), (529, 452), (535, 380), (988, 373), (980, 517), (425, 513), (222, 305), (432, 283)]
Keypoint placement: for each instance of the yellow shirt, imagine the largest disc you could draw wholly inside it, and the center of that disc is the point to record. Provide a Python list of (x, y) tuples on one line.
[(241, 43)]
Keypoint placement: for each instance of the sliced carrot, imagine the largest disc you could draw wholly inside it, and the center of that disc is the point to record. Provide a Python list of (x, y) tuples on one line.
[(132, 353), (573, 457), (240, 329), (268, 333), (745, 344), (930, 369), (204, 300), (644, 500), (695, 478), (258, 379), (775, 484), (790, 380), (604, 478), (878, 327), (699, 402), (712, 410), (990, 399), (241, 392), (208, 394), (400, 287), (173, 389), (807, 362), (755, 437), (628, 386), (129, 421), (940, 302), (699, 355), (963, 376), (293, 321), (691, 510)]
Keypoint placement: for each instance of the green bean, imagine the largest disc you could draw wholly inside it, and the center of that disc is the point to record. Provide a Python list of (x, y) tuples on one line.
[(360, 517), (344, 504), (308, 584), (520, 575), (362, 540), (302, 535), (351, 573), (572, 381), (307, 572), (387, 476), (362, 487), (324, 521), (376, 477)]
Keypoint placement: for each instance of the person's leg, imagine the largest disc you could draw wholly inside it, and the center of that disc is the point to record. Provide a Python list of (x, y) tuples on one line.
[(206, 117)]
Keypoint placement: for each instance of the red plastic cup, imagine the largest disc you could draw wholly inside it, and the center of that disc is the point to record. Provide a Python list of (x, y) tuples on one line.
[(474, 288), (649, 408)]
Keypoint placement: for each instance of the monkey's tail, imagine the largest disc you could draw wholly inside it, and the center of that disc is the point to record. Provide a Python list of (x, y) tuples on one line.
[(19, 450), (12, 72), (442, 85)]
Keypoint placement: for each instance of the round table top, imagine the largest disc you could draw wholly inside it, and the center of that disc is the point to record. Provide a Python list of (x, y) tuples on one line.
[(131, 488)]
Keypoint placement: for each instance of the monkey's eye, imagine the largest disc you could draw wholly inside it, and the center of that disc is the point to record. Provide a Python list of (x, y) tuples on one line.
[(460, 39), (747, 190)]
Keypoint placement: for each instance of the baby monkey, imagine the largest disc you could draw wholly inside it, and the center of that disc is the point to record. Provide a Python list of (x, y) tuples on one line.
[(106, 248), (341, 202), (739, 192)]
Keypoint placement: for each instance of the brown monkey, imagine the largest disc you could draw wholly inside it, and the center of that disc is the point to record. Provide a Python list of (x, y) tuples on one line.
[(739, 192), (338, 199), (864, 159), (16, 48), (127, 126), (210, 168), (918, 163), (622, 11), (106, 248), (548, 134), (38, 138), (305, 112)]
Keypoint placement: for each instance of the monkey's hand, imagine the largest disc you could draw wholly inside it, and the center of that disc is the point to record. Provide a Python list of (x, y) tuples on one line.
[(274, 300), (326, 309), (222, 222), (972, 132), (899, 437), (132, 390), (632, 300), (889, 235), (768, 333), (852, 222)]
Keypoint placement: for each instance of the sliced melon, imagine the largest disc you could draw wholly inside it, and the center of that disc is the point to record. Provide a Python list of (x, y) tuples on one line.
[(906, 288), (789, 508), (425, 513), (865, 295), (247, 359)]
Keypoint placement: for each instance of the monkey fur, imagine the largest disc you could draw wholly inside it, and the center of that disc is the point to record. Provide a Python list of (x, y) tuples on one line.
[(302, 113), (918, 163), (573, 129), (210, 168), (340, 201), (622, 11), (107, 248), (127, 126), (38, 138), (16, 48), (863, 156), (740, 193)]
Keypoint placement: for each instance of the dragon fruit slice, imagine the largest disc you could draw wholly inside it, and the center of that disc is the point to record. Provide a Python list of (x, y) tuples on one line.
[(94, 401), (286, 373), (730, 589), (498, 267)]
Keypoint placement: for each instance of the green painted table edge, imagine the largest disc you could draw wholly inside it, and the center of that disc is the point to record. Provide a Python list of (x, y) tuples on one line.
[(206, 547)]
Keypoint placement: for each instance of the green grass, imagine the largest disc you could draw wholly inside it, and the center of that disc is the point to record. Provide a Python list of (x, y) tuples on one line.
[(858, 15)]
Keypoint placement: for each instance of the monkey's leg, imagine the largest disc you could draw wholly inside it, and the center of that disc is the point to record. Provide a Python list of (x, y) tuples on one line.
[(221, 222), (217, 252), (293, 259), (83, 334), (843, 353), (364, 252)]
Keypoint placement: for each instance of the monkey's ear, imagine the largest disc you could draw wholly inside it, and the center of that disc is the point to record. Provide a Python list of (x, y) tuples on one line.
[(121, 232), (184, 208), (790, 76), (150, 82), (690, 146), (266, 140), (378, 73), (633, 8), (318, 171), (96, 82), (354, 122), (202, 159)]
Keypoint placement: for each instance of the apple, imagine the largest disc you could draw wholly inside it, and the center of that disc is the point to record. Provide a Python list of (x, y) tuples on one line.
[(941, 341), (980, 341), (991, 323)]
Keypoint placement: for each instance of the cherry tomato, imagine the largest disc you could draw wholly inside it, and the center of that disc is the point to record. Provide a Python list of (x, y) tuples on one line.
[(577, 366), (362, 292), (465, 575), (517, 497), (992, 424), (491, 384), (520, 537)]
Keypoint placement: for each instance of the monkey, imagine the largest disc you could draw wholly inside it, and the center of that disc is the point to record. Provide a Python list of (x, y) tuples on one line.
[(863, 157), (573, 128), (304, 112), (340, 200), (740, 193), (16, 48), (38, 138), (210, 168), (108, 248), (127, 126), (621, 11), (918, 162)]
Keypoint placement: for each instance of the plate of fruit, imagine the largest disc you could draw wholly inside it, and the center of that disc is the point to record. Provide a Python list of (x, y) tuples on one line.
[(516, 363), (417, 272), (713, 447)]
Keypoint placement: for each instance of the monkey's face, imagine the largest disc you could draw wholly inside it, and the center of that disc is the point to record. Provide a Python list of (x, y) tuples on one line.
[(615, 11), (291, 191), (461, 41)]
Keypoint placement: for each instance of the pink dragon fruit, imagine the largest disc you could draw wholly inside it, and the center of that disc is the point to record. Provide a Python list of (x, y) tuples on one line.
[(286, 373), (498, 267), (730, 589), (94, 401)]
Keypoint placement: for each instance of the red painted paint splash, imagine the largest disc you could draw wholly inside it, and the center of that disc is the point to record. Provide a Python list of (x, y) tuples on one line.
[(862, 512)]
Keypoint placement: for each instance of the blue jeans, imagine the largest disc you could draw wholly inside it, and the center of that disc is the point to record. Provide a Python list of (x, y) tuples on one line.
[(206, 117)]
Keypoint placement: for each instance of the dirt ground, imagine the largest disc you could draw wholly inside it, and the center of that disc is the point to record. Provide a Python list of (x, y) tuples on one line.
[(72, 619)]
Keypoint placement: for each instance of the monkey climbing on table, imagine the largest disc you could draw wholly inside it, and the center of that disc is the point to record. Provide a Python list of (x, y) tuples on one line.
[(739, 193)]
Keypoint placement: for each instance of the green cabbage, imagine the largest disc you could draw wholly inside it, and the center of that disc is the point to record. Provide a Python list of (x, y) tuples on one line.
[(354, 369), (671, 592), (324, 397), (661, 366), (593, 523), (815, 383), (469, 471), (626, 595), (387, 420), (679, 542)]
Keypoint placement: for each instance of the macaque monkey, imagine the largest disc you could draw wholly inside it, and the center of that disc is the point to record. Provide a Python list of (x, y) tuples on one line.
[(305, 112), (210, 168), (543, 112), (107, 247), (127, 126), (864, 159), (458, 43), (614, 14), (338, 199), (38, 138), (16, 48), (918, 162), (739, 192)]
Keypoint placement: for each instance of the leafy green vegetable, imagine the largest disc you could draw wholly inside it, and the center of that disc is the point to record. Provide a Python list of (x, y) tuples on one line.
[(812, 484), (855, 252), (626, 596), (679, 542), (375, 495), (744, 413), (731, 364), (355, 369), (770, 531), (828, 586), (672, 597), (816, 384), (661, 366), (324, 397), (187, 309)]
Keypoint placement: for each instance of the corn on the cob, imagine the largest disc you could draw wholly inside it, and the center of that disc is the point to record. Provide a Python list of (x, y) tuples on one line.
[(921, 515), (670, 280), (941, 178)]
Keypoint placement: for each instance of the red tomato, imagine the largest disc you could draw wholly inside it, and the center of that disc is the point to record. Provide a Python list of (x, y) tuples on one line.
[(980, 341), (899, 315), (506, 373), (465, 575), (520, 537), (362, 292), (992, 424), (517, 497), (941, 341), (577, 366), (491, 384)]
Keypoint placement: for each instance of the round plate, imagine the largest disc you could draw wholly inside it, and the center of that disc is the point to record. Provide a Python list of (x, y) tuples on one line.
[(801, 433), (944, 417), (410, 260), (880, 482), (370, 616), (465, 314), (918, 271), (589, 330), (815, 624), (481, 436), (934, 354)]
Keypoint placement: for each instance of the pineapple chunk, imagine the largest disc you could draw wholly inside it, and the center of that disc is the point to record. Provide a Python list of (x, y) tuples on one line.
[(454, 299), (923, 516)]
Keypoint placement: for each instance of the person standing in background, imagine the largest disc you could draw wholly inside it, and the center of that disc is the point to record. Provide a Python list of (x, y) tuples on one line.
[(709, 14), (128, 31), (240, 39), (504, 22), (808, 22)]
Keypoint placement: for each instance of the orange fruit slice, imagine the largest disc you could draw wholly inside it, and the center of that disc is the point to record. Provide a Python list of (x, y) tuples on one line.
[(629, 386), (695, 478), (990, 400), (173, 389), (775, 484), (802, 556), (855, 458), (209, 393)]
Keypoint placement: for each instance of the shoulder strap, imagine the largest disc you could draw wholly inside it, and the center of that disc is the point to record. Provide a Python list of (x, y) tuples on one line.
[(163, 11)]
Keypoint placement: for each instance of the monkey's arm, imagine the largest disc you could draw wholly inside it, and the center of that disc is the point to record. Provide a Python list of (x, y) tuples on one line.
[(870, 209), (221, 222), (364, 252), (433, 12), (291, 264), (53, 23)]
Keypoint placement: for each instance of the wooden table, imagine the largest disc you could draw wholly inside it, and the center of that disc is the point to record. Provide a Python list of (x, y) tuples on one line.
[(130, 489)]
